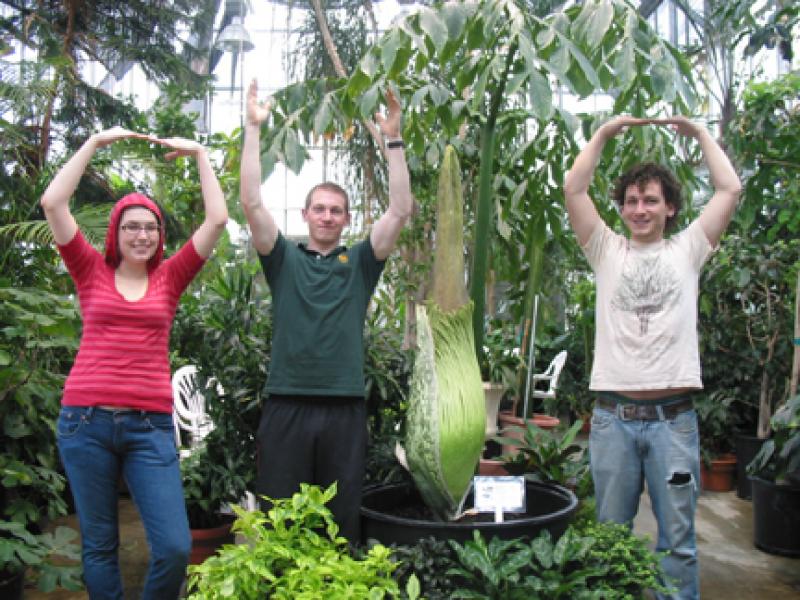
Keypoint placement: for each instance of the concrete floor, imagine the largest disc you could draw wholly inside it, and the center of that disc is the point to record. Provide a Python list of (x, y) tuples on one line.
[(731, 568)]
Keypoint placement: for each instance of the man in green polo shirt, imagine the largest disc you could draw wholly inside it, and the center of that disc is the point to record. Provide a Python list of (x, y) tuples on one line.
[(313, 424)]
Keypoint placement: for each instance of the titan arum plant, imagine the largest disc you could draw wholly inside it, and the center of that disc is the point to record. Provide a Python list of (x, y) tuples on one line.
[(445, 427)]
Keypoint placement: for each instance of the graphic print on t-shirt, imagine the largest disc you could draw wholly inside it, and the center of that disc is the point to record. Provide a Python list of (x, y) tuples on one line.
[(646, 287)]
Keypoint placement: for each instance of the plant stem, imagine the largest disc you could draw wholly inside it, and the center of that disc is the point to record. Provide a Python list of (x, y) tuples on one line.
[(483, 212)]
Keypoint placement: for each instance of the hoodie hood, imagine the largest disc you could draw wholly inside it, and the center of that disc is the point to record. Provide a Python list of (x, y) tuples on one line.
[(112, 240)]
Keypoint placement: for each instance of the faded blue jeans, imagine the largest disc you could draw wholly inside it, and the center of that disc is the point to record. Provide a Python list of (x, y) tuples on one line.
[(665, 454), (96, 445)]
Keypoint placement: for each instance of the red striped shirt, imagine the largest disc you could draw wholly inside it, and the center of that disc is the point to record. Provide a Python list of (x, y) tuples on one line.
[(123, 355)]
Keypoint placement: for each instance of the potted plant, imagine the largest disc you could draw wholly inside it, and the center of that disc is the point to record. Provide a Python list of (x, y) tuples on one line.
[(513, 424), (548, 456), (756, 273), (445, 427), (226, 335), (499, 364), (715, 423), (775, 474), (210, 485), (294, 552)]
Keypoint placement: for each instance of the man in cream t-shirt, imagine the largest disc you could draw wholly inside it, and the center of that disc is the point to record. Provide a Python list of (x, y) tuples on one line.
[(646, 359)]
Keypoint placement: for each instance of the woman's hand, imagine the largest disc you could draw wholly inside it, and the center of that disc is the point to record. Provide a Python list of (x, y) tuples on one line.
[(102, 139), (180, 147)]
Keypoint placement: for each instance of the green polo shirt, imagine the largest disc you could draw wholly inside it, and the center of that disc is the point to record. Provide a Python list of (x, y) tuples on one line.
[(318, 308)]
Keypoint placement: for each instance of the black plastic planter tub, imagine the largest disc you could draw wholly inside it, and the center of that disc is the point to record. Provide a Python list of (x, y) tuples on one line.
[(776, 517), (549, 507)]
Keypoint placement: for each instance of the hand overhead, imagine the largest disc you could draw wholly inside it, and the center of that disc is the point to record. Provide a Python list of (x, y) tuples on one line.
[(390, 124), (115, 134), (257, 112), (681, 125), (179, 147)]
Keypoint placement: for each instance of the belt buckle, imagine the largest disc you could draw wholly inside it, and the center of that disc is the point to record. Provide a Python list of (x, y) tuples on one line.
[(628, 412)]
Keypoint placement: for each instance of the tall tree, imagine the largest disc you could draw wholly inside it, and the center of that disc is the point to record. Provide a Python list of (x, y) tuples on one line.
[(486, 77)]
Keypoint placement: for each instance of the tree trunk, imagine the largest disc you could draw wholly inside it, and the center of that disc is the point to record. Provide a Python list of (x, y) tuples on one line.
[(764, 413), (339, 67)]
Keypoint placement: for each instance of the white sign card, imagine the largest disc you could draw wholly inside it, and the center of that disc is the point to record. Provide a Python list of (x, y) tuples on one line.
[(499, 494)]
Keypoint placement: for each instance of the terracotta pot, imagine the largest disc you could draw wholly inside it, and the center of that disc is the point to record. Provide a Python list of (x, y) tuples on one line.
[(718, 476), (206, 541), (509, 421), (492, 467)]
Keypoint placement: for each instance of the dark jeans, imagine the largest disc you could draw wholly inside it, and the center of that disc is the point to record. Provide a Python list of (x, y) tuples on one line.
[(318, 441), (96, 445)]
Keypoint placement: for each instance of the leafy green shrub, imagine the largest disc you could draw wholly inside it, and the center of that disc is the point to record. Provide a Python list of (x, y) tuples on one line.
[(498, 362), (596, 560), (517, 570), (429, 560), (778, 459), (226, 333), (20, 550), (548, 456), (715, 417), (293, 553), (39, 336), (631, 566)]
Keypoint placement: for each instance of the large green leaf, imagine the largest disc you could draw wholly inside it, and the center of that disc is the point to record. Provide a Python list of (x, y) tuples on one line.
[(541, 96), (599, 24), (432, 24)]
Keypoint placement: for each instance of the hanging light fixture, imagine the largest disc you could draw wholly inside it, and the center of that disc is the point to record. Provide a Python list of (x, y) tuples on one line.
[(234, 37)]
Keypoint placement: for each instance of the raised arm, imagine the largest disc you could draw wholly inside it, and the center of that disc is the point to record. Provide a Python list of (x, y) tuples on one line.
[(387, 229), (581, 209), (720, 208), (262, 225), (216, 213), (55, 200)]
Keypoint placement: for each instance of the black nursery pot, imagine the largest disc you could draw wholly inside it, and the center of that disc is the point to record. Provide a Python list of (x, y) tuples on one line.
[(549, 507), (747, 446), (776, 517), (12, 584)]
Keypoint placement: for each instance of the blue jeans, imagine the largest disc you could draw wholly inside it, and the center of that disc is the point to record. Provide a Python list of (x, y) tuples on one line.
[(665, 454), (96, 445)]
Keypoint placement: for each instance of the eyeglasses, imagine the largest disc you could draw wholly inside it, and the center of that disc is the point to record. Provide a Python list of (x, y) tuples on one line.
[(136, 228)]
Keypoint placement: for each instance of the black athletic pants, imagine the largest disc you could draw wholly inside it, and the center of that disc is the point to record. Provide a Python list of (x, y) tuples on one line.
[(315, 440)]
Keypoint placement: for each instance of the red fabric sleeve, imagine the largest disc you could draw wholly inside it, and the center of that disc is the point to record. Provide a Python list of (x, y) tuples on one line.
[(80, 258)]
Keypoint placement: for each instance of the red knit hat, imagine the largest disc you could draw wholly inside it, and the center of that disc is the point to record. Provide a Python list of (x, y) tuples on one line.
[(135, 199)]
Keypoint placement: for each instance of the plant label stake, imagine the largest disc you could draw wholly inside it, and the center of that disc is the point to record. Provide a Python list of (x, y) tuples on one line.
[(499, 494), (531, 356)]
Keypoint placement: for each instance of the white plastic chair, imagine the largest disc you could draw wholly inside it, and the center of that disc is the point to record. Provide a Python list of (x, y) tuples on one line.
[(189, 408), (550, 376)]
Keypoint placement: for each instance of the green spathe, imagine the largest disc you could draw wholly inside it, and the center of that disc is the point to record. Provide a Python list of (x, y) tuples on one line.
[(446, 414), (446, 422)]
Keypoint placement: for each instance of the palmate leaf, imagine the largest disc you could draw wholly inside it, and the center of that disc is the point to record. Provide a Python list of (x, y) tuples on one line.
[(92, 221)]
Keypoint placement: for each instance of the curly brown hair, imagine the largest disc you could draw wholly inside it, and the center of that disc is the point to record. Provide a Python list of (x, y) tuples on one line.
[(644, 173)]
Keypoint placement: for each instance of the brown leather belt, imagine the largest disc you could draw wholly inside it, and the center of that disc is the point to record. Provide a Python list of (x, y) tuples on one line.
[(645, 412)]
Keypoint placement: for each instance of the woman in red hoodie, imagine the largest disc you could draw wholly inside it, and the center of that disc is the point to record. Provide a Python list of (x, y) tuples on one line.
[(116, 415)]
